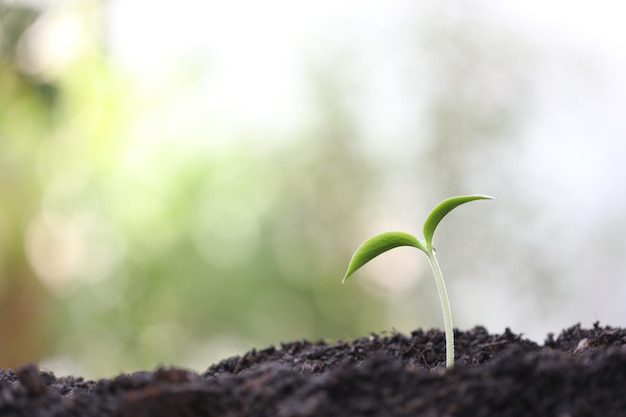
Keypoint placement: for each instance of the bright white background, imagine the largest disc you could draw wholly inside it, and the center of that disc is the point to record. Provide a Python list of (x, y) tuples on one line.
[(570, 155)]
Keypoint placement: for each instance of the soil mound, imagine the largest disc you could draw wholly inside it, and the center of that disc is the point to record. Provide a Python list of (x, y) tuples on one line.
[(580, 373)]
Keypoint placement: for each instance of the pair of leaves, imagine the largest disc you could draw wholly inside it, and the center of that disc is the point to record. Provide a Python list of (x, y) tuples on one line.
[(383, 242)]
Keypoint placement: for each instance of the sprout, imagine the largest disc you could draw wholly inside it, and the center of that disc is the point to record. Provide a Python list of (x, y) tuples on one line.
[(383, 242)]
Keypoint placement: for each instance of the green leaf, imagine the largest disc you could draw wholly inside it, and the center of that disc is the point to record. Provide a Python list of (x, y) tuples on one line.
[(378, 244), (444, 208)]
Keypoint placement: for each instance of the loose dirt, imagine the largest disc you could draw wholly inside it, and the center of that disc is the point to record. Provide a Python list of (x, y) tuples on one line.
[(582, 372)]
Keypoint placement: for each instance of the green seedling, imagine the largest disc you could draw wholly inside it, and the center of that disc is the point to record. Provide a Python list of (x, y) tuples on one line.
[(383, 242)]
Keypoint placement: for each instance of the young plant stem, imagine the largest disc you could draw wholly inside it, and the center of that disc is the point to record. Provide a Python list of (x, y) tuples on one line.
[(383, 242), (445, 306)]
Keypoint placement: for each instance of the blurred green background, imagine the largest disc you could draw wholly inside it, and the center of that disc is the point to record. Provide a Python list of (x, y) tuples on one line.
[(181, 185)]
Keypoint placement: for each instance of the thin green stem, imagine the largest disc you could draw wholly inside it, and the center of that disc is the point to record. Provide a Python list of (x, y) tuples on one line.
[(445, 307)]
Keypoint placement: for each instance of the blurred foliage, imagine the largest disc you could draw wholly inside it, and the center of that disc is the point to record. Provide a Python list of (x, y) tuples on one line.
[(26, 111), (122, 247)]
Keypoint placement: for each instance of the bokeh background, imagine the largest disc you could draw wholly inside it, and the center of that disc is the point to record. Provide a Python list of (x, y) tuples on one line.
[(183, 181)]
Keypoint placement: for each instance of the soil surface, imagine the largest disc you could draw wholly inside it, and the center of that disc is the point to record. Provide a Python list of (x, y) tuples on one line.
[(582, 372)]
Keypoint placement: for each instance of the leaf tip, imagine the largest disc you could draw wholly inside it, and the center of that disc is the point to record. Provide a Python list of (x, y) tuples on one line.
[(443, 208)]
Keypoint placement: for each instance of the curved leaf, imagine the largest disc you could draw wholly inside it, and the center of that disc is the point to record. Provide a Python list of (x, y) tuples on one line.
[(443, 208), (378, 244)]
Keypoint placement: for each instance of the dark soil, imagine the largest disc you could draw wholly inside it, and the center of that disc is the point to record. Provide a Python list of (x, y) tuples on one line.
[(580, 373)]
